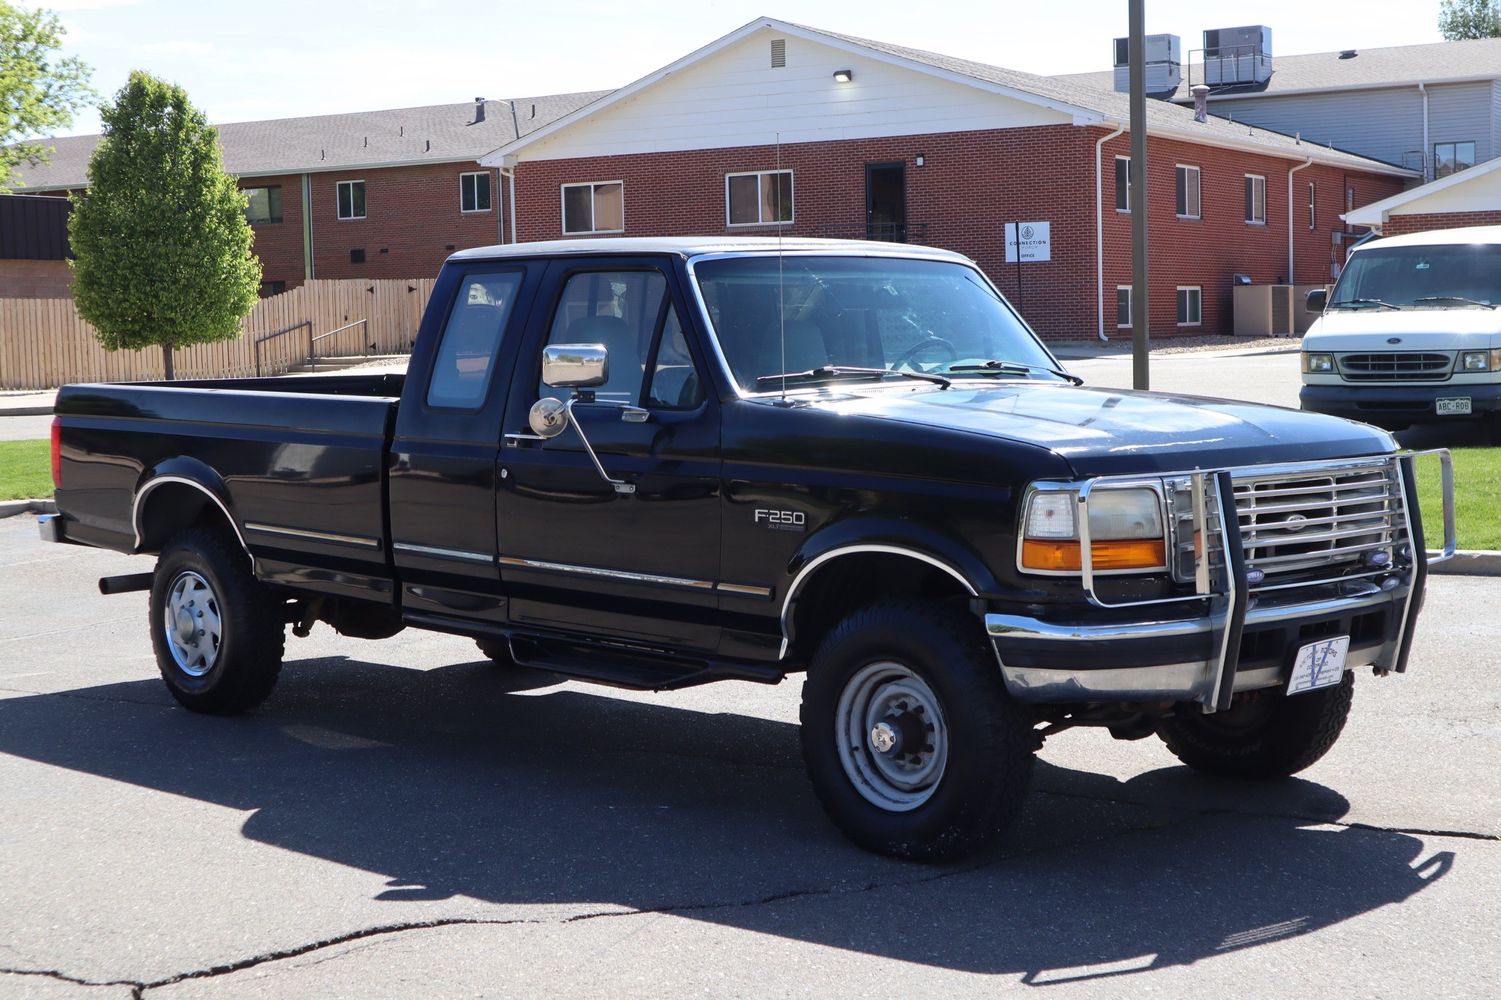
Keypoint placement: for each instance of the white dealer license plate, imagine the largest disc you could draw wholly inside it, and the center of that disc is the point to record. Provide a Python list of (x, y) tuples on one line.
[(1319, 665), (1454, 406)]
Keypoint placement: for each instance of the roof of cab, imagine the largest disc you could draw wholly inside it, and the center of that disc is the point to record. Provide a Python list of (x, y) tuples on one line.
[(1438, 237), (695, 246)]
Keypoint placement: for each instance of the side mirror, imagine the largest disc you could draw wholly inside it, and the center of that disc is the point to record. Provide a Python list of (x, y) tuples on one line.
[(575, 366), (1317, 299)]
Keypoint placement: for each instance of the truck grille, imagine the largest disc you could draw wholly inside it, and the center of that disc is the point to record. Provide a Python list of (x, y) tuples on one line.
[(1319, 520), (1396, 366)]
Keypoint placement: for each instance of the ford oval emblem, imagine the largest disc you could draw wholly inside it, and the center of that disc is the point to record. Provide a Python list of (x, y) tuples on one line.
[(1394, 340)]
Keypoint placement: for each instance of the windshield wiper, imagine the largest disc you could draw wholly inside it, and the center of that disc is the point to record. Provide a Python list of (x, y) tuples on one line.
[(1363, 302), (1453, 298), (998, 367), (824, 372)]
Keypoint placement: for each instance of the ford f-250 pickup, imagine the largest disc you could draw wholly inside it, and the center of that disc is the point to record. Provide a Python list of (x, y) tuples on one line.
[(656, 463)]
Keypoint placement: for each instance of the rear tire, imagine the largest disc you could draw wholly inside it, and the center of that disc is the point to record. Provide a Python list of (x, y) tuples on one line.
[(1264, 734), (217, 632), (950, 769)]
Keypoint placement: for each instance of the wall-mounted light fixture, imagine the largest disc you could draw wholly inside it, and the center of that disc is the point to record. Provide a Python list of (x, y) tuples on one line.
[(921, 159), (843, 75)]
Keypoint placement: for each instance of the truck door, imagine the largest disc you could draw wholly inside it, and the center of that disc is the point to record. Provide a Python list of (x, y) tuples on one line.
[(575, 554)]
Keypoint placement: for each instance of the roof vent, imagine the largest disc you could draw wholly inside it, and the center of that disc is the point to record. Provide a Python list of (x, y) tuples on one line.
[(778, 53), (479, 110), (1348, 54)]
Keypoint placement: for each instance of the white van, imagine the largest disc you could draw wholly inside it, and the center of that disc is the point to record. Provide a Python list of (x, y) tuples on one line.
[(1411, 332)]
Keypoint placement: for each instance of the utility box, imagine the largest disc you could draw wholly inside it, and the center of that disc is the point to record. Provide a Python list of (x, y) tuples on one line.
[(1264, 310)]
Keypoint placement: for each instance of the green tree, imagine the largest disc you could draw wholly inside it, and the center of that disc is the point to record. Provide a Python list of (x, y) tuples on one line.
[(162, 245), (38, 91), (1461, 19)]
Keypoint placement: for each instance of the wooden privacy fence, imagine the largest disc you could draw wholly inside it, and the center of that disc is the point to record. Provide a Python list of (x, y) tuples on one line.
[(44, 343)]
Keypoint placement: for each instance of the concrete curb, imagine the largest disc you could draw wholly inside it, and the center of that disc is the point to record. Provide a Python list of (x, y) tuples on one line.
[(25, 411), (10, 508), (1470, 562)]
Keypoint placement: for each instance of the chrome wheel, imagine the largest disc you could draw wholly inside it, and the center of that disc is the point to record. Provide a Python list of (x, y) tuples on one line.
[(191, 624), (892, 737)]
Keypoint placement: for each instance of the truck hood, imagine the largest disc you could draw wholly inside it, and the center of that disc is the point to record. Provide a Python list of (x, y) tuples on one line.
[(1110, 431), (1417, 330)]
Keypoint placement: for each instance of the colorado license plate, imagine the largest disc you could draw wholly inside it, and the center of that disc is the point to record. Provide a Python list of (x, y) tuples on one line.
[(1454, 406), (1319, 665)]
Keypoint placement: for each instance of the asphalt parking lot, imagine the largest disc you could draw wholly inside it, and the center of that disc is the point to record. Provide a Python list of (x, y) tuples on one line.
[(402, 820)]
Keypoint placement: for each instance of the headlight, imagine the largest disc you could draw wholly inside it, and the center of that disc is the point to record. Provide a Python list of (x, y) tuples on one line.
[(1318, 364), (1474, 361), (1125, 530)]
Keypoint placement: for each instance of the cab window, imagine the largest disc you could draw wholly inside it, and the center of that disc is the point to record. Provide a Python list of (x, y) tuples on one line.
[(471, 339)]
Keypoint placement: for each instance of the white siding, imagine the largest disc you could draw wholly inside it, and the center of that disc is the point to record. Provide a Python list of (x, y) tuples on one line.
[(1461, 112), (735, 98), (1382, 124), (1496, 118), (1482, 194)]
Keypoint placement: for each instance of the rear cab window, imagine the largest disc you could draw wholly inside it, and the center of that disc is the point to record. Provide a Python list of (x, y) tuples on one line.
[(471, 340)]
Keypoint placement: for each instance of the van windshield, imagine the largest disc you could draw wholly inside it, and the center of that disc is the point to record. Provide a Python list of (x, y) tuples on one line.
[(1462, 276), (833, 318)]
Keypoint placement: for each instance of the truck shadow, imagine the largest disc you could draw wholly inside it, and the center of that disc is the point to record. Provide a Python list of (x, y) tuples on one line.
[(447, 784)]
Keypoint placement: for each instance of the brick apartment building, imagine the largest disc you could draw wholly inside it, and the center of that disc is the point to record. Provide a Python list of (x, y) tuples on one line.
[(895, 142), (378, 194)]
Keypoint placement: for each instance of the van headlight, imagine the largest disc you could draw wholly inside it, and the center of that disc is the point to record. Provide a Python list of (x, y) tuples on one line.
[(1317, 364), (1480, 361), (1125, 531)]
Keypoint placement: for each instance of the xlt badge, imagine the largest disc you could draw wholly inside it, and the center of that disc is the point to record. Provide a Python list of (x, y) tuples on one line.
[(782, 520)]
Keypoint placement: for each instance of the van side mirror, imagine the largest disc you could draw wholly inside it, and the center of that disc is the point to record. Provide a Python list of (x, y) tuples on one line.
[(1317, 299), (575, 366)]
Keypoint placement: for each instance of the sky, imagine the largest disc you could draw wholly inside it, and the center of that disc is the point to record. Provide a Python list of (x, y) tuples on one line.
[(280, 59)]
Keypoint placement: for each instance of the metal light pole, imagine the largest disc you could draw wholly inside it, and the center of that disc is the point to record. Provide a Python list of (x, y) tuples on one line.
[(1140, 342)]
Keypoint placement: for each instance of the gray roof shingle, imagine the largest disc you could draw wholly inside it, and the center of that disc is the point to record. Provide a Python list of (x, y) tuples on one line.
[(441, 133)]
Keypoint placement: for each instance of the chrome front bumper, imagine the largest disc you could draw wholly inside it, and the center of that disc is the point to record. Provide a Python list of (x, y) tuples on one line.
[(1196, 657)]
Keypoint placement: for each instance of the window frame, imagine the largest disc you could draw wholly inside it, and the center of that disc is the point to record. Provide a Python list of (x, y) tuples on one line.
[(593, 214), (1180, 183), (759, 174), (1454, 156), (339, 205), (1197, 298), (489, 193), (274, 220), (1127, 324), (1313, 215), (1250, 187), (1122, 186)]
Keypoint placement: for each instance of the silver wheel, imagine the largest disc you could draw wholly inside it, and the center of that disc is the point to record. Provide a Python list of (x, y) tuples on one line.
[(191, 624), (892, 737)]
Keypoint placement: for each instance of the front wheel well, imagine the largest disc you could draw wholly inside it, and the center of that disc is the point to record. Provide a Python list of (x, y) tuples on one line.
[(847, 583)]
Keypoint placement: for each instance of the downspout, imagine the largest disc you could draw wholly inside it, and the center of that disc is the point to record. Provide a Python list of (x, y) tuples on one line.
[(508, 171), (1292, 276), (1099, 229), (1427, 172), (308, 271)]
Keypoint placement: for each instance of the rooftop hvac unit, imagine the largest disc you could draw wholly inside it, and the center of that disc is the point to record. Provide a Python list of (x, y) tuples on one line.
[(1164, 63), (1236, 56)]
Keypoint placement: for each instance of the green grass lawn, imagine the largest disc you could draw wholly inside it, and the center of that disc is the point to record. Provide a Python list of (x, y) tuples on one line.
[(1477, 498), (25, 469)]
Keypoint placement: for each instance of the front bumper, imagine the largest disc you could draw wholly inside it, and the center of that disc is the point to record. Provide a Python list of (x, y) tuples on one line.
[(1233, 634), (1377, 401)]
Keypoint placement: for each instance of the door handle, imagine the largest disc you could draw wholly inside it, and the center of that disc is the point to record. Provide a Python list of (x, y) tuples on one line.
[(517, 438), (634, 414)]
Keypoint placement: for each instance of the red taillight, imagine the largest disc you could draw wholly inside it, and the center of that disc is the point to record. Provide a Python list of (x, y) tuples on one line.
[(57, 454)]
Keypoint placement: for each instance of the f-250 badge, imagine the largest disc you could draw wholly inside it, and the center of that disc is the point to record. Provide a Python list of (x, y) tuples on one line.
[(782, 520)]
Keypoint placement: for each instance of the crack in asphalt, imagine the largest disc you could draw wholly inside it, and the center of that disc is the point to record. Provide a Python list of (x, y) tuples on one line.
[(63, 977)]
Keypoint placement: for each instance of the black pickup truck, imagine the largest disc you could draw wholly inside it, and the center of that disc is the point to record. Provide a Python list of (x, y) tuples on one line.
[(660, 462)]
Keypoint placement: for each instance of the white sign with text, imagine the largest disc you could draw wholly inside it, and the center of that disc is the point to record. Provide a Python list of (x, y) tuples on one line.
[(1036, 241)]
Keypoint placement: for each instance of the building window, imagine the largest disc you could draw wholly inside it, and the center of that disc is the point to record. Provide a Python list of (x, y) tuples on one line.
[(1349, 199), (1123, 183), (596, 207), (351, 199), (1189, 305), (474, 192), (1449, 157), (1123, 307), (1256, 199), (759, 199), (262, 204), (269, 288), (1187, 184), (1312, 215), (357, 256)]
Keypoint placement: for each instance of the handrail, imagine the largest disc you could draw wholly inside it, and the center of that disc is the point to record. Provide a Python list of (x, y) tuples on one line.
[(272, 336), (312, 357)]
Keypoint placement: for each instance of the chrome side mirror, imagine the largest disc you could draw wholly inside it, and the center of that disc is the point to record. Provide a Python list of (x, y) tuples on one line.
[(575, 366), (548, 417)]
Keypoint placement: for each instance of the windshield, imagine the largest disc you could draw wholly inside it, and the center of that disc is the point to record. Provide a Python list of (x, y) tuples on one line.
[(882, 313), (1440, 277)]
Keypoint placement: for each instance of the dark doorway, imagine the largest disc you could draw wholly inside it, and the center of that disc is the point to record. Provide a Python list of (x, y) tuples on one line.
[(886, 202)]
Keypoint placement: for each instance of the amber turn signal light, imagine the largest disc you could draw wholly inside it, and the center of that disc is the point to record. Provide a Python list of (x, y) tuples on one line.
[(1064, 556)]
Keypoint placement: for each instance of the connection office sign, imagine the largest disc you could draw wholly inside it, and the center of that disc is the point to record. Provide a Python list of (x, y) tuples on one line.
[(1032, 240)]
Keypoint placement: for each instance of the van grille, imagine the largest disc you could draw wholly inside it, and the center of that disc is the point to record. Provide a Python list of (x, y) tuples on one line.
[(1318, 520), (1392, 366)]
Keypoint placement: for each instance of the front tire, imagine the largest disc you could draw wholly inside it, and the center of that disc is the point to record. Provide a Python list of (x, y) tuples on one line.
[(217, 632), (1264, 734), (911, 742)]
